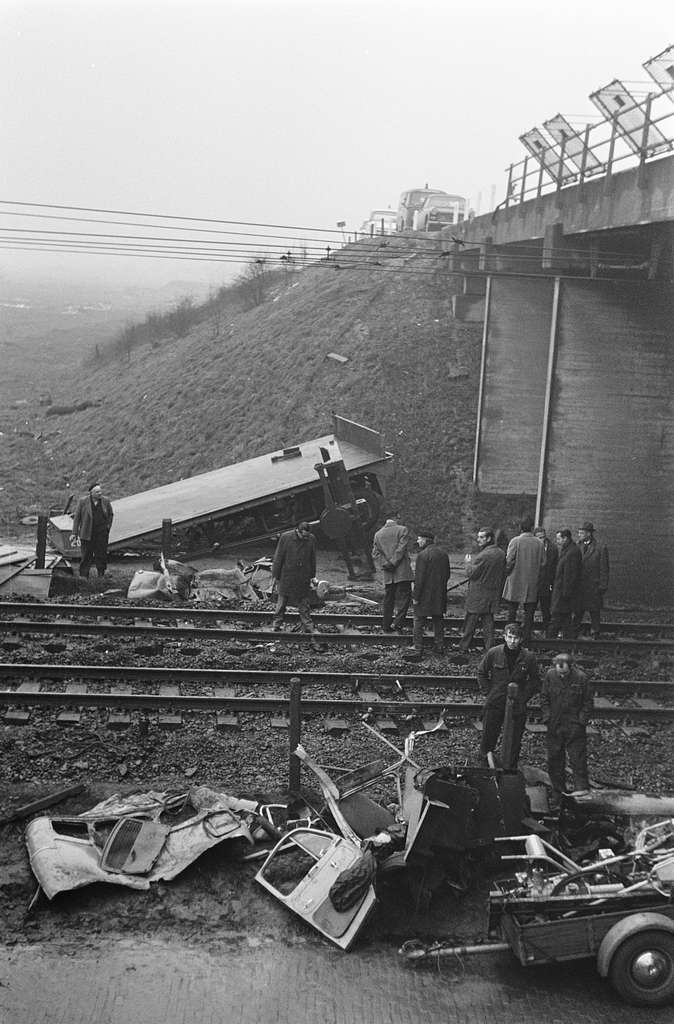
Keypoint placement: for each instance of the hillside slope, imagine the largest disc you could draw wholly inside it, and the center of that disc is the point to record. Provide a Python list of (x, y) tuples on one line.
[(262, 380)]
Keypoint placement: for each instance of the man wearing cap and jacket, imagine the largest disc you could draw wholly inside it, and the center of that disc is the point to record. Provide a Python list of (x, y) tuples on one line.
[(91, 524), (504, 664), (293, 572), (593, 579), (390, 551), (566, 706), (429, 593)]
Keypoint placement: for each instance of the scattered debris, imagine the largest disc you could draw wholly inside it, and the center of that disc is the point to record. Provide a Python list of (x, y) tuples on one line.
[(615, 906), (39, 805), (132, 841), (302, 872)]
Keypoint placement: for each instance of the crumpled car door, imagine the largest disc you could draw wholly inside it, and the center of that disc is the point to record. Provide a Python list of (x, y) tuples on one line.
[(319, 858)]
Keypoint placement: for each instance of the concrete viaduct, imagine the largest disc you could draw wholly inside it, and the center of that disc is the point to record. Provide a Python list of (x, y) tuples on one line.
[(575, 288)]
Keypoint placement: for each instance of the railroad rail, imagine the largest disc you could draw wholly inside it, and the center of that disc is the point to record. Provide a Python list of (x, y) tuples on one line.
[(223, 696), (655, 630), (62, 627)]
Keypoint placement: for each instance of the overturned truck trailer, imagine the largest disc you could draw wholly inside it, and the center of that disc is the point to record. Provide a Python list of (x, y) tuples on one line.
[(336, 482)]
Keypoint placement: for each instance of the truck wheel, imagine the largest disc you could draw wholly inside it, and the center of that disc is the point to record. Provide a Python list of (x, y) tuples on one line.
[(642, 968)]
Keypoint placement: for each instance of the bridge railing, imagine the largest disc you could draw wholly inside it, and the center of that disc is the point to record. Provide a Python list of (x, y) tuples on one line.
[(630, 132)]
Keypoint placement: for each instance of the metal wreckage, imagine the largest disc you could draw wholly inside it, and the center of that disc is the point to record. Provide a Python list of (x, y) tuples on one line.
[(595, 879)]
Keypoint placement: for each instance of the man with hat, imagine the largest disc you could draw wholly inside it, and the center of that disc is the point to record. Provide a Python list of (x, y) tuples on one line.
[(566, 586), (506, 663), (390, 550), (293, 572), (593, 579), (91, 524), (429, 593), (566, 706)]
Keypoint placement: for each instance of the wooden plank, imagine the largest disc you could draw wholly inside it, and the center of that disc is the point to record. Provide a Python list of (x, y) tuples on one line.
[(225, 719), (169, 719), (336, 726), (119, 719), (72, 716)]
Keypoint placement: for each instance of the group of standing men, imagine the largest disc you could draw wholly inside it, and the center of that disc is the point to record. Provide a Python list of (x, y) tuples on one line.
[(566, 706), (565, 578), (425, 588)]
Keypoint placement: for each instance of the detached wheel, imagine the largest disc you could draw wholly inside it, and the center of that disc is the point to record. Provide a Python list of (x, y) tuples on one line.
[(642, 969)]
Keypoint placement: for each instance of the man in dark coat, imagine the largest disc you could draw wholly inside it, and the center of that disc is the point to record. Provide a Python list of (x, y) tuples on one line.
[(429, 594), (547, 574), (566, 706), (566, 587), (593, 579), (506, 663), (91, 524), (293, 571), (486, 573), (390, 550)]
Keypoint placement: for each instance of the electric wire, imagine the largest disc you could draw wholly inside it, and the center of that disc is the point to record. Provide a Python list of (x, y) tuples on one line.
[(337, 265), (373, 244), (169, 216)]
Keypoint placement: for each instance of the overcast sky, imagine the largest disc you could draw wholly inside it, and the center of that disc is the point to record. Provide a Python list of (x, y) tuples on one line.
[(292, 112)]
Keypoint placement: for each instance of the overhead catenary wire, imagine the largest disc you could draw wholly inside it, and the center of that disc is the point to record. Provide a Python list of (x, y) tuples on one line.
[(169, 216), (374, 244), (336, 264), (301, 243)]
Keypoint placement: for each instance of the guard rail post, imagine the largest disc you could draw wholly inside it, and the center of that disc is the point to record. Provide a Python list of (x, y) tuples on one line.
[(41, 545), (166, 538), (507, 743), (294, 734)]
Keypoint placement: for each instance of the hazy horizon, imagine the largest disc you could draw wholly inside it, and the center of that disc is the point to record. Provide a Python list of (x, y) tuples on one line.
[(282, 113)]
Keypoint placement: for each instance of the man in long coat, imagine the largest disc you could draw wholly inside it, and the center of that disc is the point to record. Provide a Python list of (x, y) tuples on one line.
[(429, 594), (566, 588), (547, 574), (390, 551), (486, 573), (524, 563), (293, 571), (91, 524), (593, 579)]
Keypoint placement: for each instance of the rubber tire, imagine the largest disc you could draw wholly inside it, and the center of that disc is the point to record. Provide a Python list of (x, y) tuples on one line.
[(621, 976)]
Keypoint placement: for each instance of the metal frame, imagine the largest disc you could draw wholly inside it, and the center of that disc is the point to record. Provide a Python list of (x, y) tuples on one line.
[(560, 155)]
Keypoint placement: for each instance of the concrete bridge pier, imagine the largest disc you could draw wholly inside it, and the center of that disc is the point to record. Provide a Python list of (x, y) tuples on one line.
[(575, 410)]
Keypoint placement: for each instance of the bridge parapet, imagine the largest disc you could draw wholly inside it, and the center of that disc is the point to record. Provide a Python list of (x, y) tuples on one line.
[(591, 207)]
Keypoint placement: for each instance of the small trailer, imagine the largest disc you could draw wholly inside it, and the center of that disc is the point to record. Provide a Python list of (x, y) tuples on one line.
[(618, 910)]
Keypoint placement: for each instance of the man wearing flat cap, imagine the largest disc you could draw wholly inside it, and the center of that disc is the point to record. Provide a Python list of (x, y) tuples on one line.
[(293, 574), (429, 593), (593, 581), (91, 524), (566, 706)]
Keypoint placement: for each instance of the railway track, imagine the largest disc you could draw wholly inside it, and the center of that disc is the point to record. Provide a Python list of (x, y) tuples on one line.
[(366, 693), (616, 631), (185, 632)]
